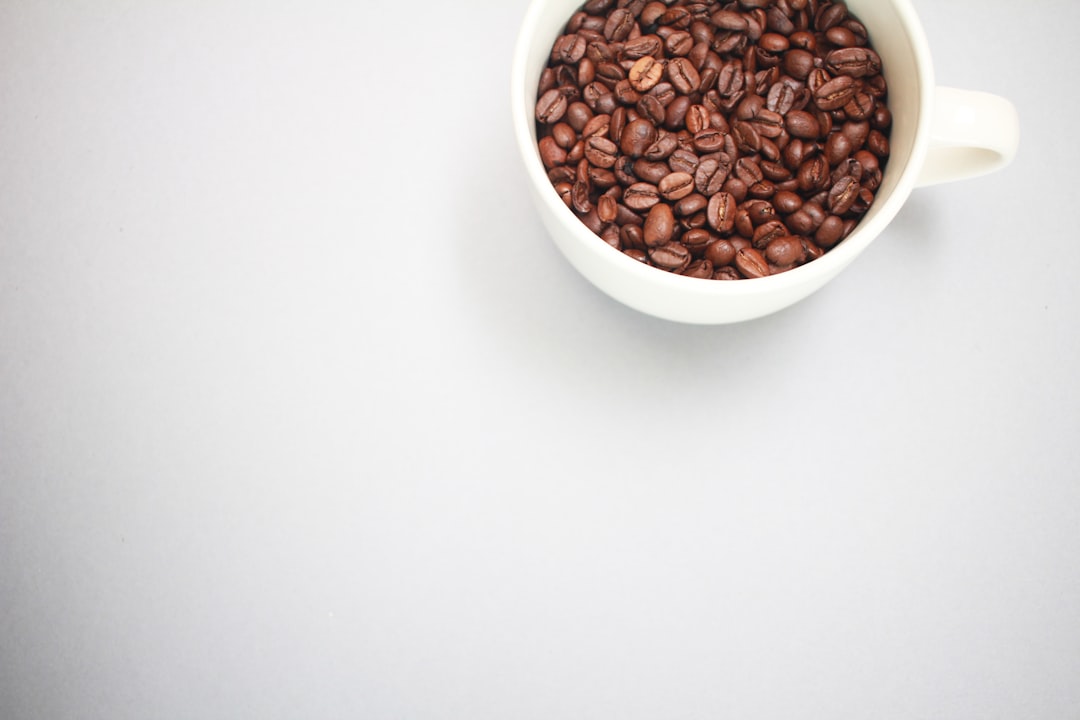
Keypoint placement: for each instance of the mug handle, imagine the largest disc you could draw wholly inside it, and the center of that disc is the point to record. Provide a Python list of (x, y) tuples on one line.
[(971, 134)]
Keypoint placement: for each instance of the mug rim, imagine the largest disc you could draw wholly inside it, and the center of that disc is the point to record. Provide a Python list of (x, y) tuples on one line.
[(826, 266)]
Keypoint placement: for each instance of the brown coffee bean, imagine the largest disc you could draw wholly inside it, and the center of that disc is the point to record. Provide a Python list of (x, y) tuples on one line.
[(666, 143), (672, 257), (802, 125), (645, 73), (785, 251), (830, 232), (551, 107), (720, 213), (683, 160), (650, 171), (854, 62), (768, 232), (711, 174), (691, 205), (720, 252), (551, 154), (696, 118), (683, 75), (751, 263), (659, 226), (676, 186), (619, 25), (639, 47), (641, 196), (786, 202), (601, 152), (835, 93), (637, 137)]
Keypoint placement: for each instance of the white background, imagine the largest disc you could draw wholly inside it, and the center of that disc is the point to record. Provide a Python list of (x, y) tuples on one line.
[(303, 416)]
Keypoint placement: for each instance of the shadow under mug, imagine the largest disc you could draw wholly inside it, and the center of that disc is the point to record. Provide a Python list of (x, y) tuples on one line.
[(938, 135)]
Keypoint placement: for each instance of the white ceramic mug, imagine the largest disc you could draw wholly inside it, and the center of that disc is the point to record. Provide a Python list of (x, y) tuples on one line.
[(939, 134)]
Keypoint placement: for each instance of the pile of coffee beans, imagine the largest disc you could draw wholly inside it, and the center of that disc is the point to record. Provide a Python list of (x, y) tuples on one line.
[(722, 140)]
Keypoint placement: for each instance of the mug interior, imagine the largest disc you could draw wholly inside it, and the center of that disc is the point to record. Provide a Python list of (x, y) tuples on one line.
[(897, 36)]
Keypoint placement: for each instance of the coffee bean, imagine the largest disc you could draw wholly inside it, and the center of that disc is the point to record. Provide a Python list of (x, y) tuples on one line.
[(637, 137), (830, 232), (691, 205), (768, 232), (720, 252), (676, 186), (641, 196), (702, 269), (854, 62), (551, 107), (721, 213), (645, 73), (803, 125), (683, 75), (751, 263), (601, 152), (644, 45), (785, 251), (835, 93), (711, 174), (659, 225), (672, 257), (650, 171)]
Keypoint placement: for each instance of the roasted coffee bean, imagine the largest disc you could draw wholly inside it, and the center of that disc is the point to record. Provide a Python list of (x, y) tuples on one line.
[(830, 232), (672, 257), (632, 236), (696, 118), (709, 140), (674, 117), (642, 46), (659, 226), (691, 205), (650, 171), (683, 160), (878, 144), (785, 251), (813, 174), (601, 152), (683, 75), (712, 173), (835, 93), (607, 208), (720, 252), (676, 186), (666, 143), (551, 107), (721, 213), (645, 73), (751, 263), (551, 154), (803, 125), (702, 269), (768, 232), (679, 44), (619, 25), (748, 170), (651, 109), (564, 135), (637, 137), (578, 115), (787, 203), (856, 62), (641, 196)]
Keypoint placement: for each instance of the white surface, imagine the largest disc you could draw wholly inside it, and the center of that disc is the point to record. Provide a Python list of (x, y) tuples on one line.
[(302, 415)]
